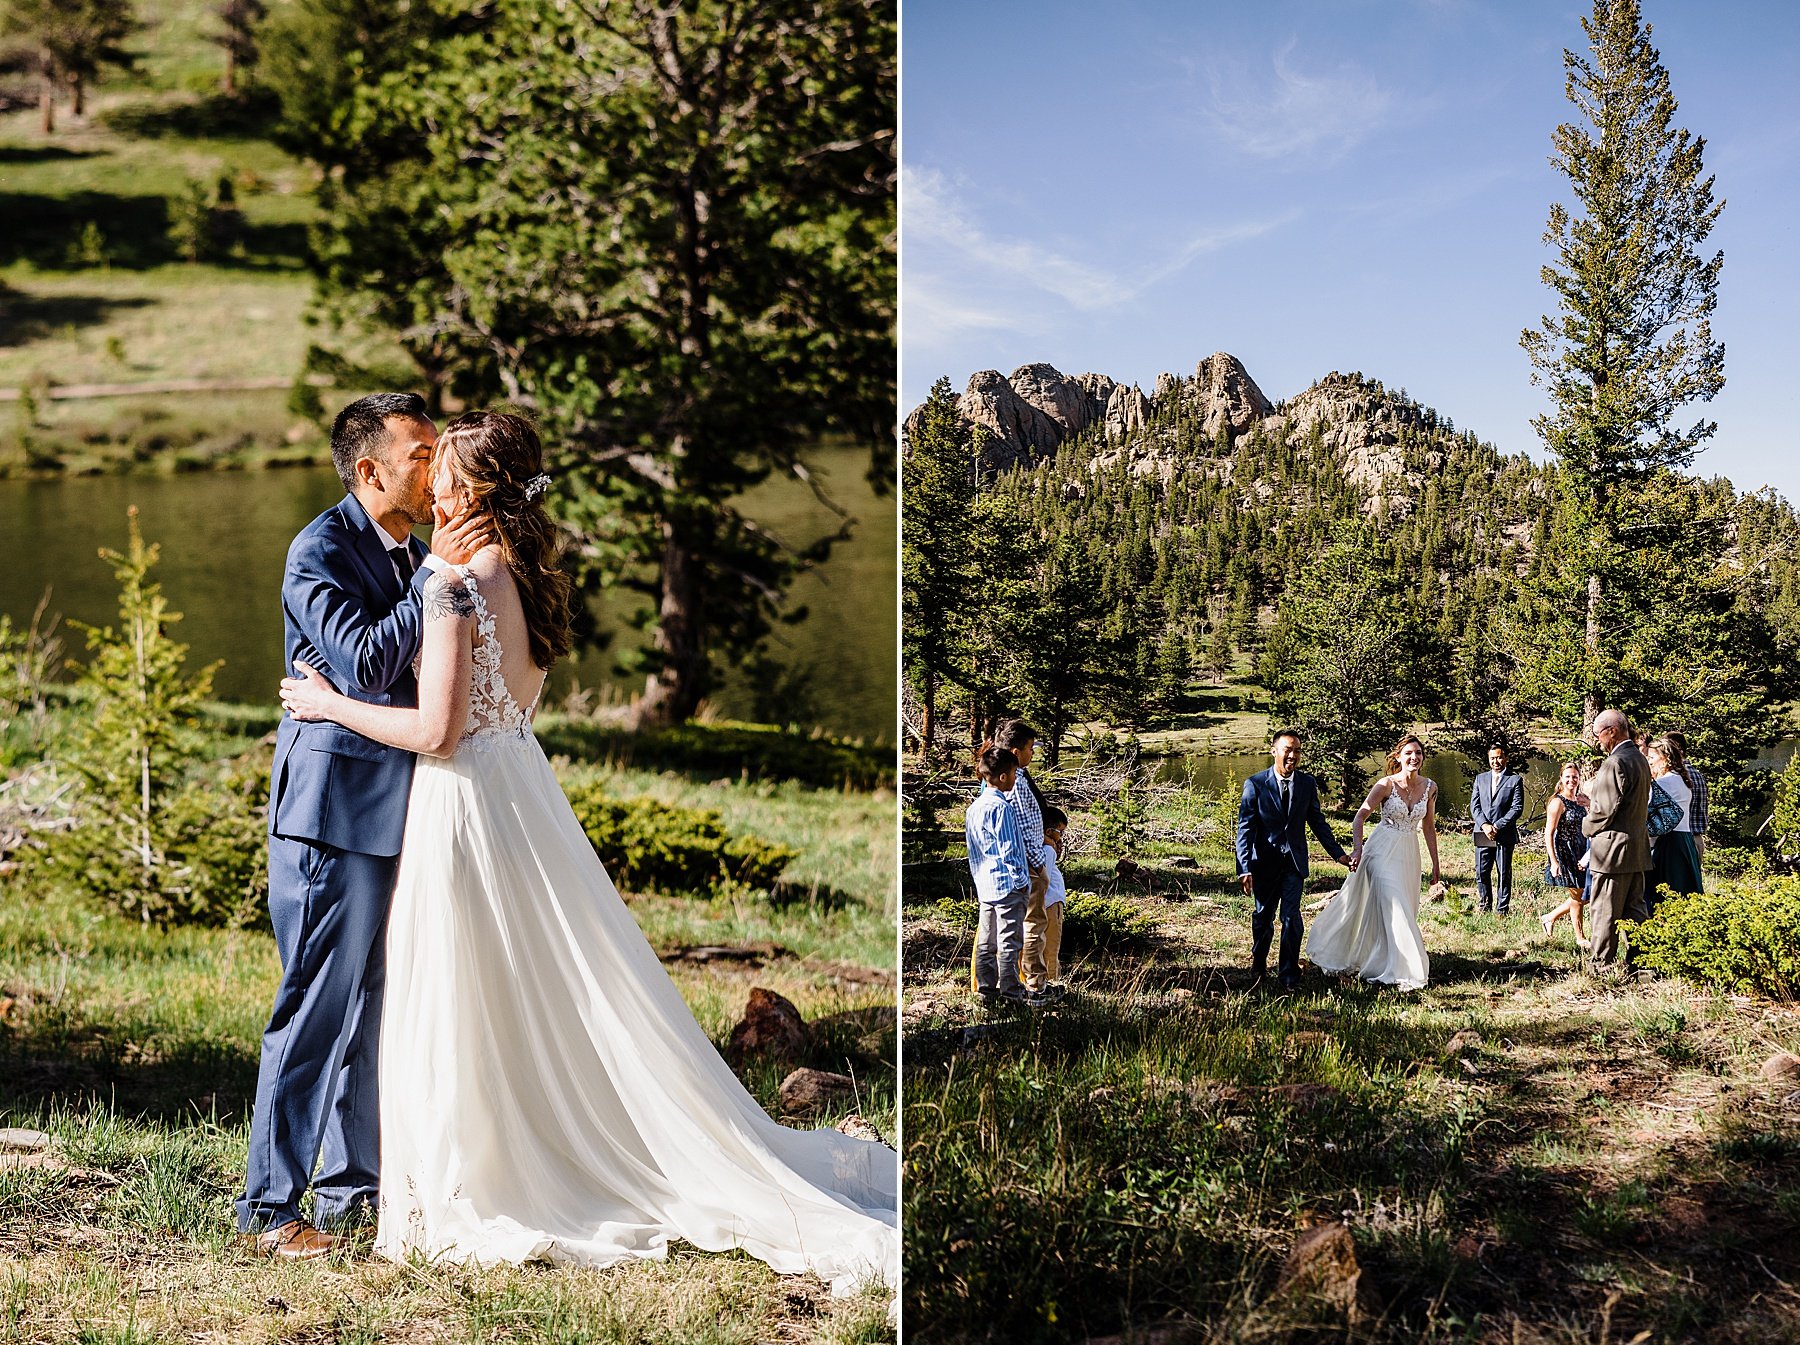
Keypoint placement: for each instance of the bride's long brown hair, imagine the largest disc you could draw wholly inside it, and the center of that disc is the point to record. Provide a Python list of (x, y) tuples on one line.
[(494, 456), (1393, 757)]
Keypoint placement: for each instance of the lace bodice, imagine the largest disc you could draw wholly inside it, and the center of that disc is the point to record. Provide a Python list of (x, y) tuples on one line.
[(1395, 813), (494, 716)]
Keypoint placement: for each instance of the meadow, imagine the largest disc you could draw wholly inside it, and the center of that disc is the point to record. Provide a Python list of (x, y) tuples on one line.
[(135, 1049), (1522, 1152)]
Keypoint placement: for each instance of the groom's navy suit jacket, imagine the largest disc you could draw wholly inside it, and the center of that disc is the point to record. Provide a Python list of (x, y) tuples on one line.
[(347, 615), (1503, 807), (1268, 834)]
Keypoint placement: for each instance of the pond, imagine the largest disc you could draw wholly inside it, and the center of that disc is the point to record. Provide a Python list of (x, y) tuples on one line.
[(224, 536)]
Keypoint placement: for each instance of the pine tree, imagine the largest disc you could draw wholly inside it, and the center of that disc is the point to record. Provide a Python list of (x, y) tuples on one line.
[(1632, 339), (937, 572)]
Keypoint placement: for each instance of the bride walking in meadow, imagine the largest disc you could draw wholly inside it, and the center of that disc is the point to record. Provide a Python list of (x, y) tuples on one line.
[(1371, 927)]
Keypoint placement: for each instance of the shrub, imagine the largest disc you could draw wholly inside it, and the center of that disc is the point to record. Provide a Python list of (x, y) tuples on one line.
[(161, 834), (1120, 824), (656, 847), (1104, 924), (1738, 936)]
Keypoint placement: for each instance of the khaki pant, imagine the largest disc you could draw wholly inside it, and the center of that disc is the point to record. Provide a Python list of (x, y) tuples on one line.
[(1613, 897), (1053, 915), (1031, 962)]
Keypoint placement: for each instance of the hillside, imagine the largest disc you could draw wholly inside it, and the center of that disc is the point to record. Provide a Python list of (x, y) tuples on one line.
[(1181, 536), (94, 285)]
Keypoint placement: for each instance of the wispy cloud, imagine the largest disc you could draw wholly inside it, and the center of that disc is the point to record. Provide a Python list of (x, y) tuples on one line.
[(1296, 112), (947, 249)]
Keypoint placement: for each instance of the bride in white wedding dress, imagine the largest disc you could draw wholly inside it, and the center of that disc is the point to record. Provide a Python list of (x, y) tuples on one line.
[(1371, 927), (545, 1090)]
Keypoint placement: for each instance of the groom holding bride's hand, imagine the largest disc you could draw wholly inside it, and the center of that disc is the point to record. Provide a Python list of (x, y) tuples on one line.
[(1278, 806)]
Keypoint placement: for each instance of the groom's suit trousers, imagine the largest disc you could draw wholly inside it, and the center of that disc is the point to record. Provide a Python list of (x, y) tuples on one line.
[(316, 1089), (1277, 887)]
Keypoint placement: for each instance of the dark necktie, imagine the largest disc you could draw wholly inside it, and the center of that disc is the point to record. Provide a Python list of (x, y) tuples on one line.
[(1287, 797), (403, 562)]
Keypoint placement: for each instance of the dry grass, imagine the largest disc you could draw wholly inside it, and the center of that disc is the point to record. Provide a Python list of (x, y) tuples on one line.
[(1608, 1162)]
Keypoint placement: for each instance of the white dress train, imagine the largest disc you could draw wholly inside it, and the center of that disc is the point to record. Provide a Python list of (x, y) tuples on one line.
[(545, 1090), (1371, 927)]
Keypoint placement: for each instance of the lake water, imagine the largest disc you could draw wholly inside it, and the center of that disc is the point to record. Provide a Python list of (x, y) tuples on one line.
[(224, 536)]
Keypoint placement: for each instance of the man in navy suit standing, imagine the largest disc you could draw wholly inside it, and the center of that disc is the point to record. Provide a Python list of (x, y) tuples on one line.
[(1279, 804), (1496, 803), (350, 599)]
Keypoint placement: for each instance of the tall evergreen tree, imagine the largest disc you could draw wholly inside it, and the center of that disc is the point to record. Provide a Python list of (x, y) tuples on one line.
[(1631, 342), (938, 577)]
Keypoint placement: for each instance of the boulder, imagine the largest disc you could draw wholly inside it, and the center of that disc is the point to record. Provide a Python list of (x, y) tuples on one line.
[(859, 1127), (1781, 1067), (806, 1091), (772, 1029), (1322, 1270), (1466, 1042)]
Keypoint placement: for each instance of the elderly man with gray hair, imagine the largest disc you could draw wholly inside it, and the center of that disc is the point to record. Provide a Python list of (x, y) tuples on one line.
[(1617, 824)]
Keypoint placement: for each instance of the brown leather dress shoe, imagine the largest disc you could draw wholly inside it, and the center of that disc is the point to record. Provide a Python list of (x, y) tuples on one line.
[(296, 1240)]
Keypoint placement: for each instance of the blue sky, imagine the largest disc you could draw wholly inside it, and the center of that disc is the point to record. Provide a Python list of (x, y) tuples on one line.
[(1316, 185)]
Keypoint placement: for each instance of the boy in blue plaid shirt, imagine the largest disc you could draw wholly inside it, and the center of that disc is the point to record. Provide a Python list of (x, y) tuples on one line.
[(1002, 877)]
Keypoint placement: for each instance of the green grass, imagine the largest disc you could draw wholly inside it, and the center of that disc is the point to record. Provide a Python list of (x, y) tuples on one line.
[(136, 1049), (1607, 1162), (137, 312)]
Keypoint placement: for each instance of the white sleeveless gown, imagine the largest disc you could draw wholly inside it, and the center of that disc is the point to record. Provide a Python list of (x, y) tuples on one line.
[(1371, 927), (545, 1090)]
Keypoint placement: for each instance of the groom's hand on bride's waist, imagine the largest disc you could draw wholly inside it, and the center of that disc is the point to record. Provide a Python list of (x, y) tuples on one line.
[(456, 540)]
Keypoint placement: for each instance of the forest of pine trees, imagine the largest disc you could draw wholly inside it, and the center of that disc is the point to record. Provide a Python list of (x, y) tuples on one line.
[(1106, 581)]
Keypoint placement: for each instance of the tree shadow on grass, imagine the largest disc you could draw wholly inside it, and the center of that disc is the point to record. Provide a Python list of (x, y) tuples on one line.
[(24, 154), (89, 1063), (134, 233), (25, 318), (217, 116)]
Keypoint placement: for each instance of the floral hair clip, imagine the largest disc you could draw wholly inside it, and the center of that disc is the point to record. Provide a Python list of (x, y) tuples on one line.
[(537, 486)]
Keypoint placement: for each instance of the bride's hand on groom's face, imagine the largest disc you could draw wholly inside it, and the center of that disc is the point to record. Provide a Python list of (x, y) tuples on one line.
[(456, 540), (307, 696)]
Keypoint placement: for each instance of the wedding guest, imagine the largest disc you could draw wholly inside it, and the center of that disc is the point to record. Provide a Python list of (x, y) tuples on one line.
[(1618, 829), (1496, 803), (1674, 860), (1567, 848), (1699, 808), (1056, 825), (1002, 879), (1019, 738)]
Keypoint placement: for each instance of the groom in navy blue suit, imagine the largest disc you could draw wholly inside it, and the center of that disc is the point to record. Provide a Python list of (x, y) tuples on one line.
[(1278, 806), (1496, 803), (350, 600)]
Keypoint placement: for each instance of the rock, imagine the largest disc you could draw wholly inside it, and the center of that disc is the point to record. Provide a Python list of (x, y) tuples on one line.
[(1781, 1067), (1322, 1269), (807, 1090), (1466, 1042), (859, 1127), (1226, 396), (1301, 1096), (1127, 410), (17, 1141), (1183, 862), (1165, 384), (771, 1029)]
